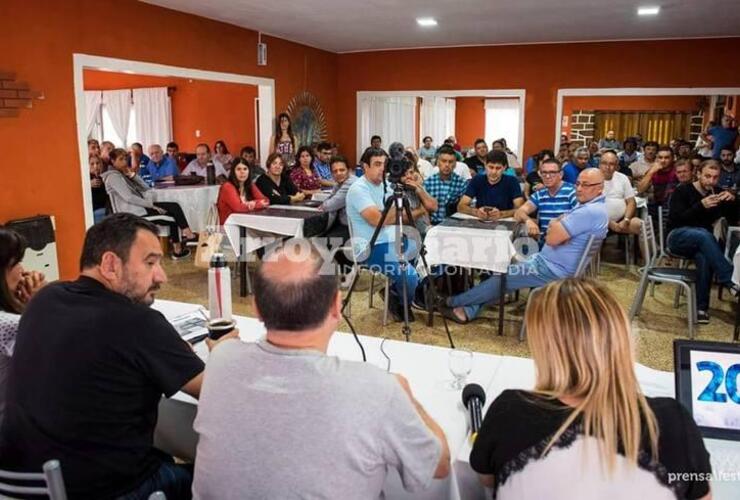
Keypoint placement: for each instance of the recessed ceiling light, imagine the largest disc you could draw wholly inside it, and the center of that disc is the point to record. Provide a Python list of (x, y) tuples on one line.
[(648, 11), (426, 21)]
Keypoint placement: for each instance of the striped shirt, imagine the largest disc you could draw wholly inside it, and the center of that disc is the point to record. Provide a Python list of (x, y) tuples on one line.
[(551, 207), (445, 192)]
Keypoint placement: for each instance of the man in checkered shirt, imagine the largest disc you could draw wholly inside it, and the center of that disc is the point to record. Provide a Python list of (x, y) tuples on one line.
[(445, 186)]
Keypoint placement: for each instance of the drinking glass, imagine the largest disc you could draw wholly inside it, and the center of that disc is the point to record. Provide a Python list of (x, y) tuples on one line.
[(461, 364)]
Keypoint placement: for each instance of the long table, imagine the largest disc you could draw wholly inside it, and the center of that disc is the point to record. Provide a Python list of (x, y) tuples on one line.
[(195, 201), (426, 368)]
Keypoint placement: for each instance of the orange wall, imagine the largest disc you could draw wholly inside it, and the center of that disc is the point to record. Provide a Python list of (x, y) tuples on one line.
[(540, 69), (38, 40), (470, 120), (218, 110), (629, 103)]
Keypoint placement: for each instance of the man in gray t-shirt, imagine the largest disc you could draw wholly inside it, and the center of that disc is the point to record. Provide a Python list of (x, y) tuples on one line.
[(281, 419)]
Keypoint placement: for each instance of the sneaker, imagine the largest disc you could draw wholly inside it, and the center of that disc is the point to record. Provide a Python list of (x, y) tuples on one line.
[(181, 254), (702, 317)]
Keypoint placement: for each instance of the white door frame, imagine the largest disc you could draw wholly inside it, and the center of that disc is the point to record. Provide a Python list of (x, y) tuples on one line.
[(632, 91), (81, 62), (489, 93)]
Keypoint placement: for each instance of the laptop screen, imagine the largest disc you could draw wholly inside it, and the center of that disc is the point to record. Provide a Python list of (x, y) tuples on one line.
[(707, 385)]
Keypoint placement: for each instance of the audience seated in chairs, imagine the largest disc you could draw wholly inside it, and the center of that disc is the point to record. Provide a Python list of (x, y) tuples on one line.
[(550, 200), (128, 193), (160, 167), (427, 152), (89, 398), (388, 429), (239, 194), (302, 174), (365, 204), (621, 205), (587, 414), (609, 141), (199, 166), (513, 167), (276, 184), (421, 203), (723, 135), (685, 171), (321, 166), (565, 242), (93, 147), (496, 195), (694, 209), (477, 162), (221, 154), (445, 185), (729, 177), (99, 195), (425, 168), (137, 158), (533, 179), (627, 156), (649, 155), (336, 205), (173, 152), (17, 286)]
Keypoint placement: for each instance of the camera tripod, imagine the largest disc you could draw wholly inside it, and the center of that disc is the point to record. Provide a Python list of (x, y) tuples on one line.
[(399, 200)]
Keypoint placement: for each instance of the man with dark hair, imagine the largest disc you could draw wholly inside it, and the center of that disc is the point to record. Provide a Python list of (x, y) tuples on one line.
[(694, 209), (684, 171), (427, 151), (376, 142), (659, 181), (160, 167), (365, 203), (628, 156), (445, 186), (93, 147), (248, 155), (321, 164), (496, 195), (644, 162), (336, 204), (723, 135), (580, 162), (348, 422), (477, 163), (137, 158), (683, 151), (91, 363), (550, 202), (729, 177)]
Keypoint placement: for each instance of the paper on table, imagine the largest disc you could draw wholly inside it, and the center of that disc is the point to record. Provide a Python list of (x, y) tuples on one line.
[(191, 326), (462, 216)]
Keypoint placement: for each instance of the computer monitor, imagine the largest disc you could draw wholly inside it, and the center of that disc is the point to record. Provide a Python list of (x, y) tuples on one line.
[(707, 376)]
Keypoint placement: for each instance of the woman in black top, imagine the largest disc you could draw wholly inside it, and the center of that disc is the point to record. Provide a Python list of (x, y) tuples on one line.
[(278, 187), (586, 430)]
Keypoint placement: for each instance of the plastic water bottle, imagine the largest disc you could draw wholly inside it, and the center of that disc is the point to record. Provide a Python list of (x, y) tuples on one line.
[(219, 288), (359, 171)]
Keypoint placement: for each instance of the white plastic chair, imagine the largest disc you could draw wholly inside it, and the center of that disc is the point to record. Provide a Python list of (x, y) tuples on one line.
[(51, 476)]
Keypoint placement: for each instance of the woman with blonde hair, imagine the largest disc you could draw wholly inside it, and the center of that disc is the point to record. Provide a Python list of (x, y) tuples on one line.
[(586, 430)]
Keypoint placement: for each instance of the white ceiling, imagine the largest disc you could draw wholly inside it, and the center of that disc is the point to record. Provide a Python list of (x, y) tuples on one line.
[(359, 25)]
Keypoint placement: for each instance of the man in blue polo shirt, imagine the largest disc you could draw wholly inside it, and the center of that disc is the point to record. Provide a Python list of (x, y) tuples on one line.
[(160, 167), (565, 242), (496, 195), (580, 162), (550, 202), (723, 136)]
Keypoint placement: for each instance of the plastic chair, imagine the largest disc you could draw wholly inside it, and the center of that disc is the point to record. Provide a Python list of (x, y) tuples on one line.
[(587, 261), (157, 495), (651, 273), (51, 477)]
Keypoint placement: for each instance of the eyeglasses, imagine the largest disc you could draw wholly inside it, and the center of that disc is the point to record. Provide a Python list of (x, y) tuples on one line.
[(583, 184), (549, 174)]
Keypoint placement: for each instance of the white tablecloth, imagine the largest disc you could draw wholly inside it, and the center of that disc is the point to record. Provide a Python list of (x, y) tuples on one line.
[(490, 249), (426, 368), (262, 229), (194, 201)]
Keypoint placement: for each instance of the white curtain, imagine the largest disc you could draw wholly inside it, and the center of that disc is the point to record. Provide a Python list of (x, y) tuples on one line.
[(392, 118), (93, 99), (502, 120), (117, 103), (437, 119), (152, 116)]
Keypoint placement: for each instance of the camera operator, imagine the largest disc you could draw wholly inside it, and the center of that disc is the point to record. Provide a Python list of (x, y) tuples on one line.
[(365, 204)]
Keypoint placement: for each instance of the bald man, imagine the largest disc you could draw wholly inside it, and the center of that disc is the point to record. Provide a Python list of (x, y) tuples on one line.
[(565, 241), (280, 416)]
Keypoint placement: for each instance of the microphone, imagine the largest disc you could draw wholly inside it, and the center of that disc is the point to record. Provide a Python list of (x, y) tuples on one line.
[(473, 398)]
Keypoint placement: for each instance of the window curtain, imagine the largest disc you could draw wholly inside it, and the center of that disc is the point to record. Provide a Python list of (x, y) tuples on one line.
[(117, 103), (392, 118), (658, 126), (152, 116), (502, 121), (437, 119), (93, 99)]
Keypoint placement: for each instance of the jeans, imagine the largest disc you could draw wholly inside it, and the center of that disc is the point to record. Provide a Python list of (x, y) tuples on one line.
[(700, 245), (98, 214), (174, 480), (531, 273), (383, 258)]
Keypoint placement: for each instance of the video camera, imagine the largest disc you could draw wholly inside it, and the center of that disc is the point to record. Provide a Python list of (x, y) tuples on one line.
[(396, 168)]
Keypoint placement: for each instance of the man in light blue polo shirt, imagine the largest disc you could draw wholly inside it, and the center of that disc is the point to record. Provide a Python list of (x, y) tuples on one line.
[(365, 202), (160, 167), (565, 242)]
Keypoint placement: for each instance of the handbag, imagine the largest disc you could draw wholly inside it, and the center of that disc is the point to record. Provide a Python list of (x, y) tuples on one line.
[(209, 240)]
